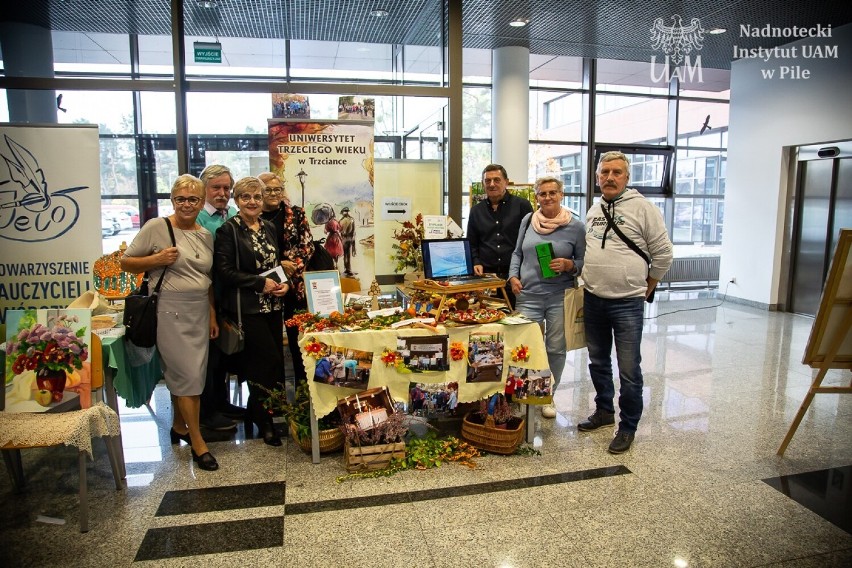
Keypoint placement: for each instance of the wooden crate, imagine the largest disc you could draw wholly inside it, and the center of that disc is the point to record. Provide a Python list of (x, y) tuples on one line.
[(371, 458), (355, 404)]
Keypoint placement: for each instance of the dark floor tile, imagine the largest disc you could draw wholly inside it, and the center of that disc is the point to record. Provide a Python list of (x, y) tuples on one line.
[(191, 501), (211, 538), (448, 492), (826, 492)]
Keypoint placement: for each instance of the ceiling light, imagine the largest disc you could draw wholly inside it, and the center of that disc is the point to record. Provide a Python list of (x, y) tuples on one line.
[(716, 31), (208, 4), (379, 13), (519, 22)]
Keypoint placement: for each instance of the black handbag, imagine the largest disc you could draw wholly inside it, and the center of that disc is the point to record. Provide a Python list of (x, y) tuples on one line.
[(633, 246), (231, 338), (140, 309)]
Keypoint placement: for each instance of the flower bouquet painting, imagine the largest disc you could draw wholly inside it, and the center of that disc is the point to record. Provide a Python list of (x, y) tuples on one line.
[(47, 352)]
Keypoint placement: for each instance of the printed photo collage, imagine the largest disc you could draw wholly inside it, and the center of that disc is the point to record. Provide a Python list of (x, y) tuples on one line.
[(421, 357)]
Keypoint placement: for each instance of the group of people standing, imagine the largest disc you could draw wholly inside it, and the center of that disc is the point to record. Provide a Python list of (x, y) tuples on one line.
[(214, 257), (504, 233), (215, 264)]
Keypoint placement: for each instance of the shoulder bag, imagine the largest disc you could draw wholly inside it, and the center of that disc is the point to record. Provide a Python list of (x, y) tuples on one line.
[(575, 323), (633, 246), (231, 338), (140, 308)]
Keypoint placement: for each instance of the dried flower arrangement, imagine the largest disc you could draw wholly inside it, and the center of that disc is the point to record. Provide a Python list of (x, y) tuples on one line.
[(496, 406), (389, 431), (407, 248)]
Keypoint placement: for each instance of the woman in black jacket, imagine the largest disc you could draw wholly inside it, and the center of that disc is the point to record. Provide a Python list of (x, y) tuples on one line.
[(246, 246)]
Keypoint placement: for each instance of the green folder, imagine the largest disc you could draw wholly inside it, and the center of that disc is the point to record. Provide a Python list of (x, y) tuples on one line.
[(544, 251)]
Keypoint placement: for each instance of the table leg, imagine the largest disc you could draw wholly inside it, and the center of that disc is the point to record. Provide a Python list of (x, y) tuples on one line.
[(315, 452), (112, 401), (530, 424)]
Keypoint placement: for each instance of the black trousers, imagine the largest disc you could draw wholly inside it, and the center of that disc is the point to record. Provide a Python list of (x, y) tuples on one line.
[(504, 274), (291, 305), (262, 360), (215, 393)]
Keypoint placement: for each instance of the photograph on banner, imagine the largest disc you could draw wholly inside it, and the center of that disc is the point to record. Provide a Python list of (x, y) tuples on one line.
[(423, 353), (290, 106), (344, 367), (329, 166), (47, 358), (433, 400), (357, 108), (49, 210), (529, 386), (485, 357)]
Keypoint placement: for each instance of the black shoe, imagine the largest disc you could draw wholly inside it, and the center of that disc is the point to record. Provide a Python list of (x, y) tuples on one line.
[(205, 461), (596, 420), (218, 423), (232, 411), (621, 442), (176, 438), (270, 436)]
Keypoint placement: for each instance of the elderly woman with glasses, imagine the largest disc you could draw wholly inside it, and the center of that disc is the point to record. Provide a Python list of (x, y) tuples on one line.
[(540, 294), (186, 317), (246, 248), (297, 248)]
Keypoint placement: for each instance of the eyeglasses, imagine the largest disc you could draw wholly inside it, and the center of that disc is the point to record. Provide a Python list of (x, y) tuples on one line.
[(548, 194), (245, 197), (180, 200), (273, 190)]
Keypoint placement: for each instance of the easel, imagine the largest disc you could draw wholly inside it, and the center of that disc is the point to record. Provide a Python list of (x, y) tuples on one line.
[(830, 343), (445, 291)]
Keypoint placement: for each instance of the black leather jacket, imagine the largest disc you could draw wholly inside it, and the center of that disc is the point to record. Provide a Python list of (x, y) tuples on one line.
[(228, 277)]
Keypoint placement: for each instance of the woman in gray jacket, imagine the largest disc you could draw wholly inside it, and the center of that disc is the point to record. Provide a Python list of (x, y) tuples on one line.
[(541, 293)]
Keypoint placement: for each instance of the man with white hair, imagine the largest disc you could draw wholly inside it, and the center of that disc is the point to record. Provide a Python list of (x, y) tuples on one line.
[(628, 251)]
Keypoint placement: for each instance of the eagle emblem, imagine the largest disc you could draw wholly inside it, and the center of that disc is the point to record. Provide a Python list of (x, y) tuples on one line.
[(677, 40)]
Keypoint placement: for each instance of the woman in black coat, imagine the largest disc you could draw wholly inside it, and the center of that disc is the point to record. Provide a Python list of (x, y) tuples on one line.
[(246, 246)]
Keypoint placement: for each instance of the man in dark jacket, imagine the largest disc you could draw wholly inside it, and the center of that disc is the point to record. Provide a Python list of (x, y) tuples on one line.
[(493, 225)]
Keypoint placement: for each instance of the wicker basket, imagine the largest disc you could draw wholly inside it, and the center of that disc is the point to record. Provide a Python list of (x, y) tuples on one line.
[(371, 458), (492, 439), (329, 440)]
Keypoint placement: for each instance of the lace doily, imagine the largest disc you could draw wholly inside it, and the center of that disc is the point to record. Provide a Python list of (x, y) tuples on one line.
[(76, 428)]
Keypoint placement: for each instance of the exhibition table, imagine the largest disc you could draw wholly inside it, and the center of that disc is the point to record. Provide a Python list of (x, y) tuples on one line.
[(324, 397)]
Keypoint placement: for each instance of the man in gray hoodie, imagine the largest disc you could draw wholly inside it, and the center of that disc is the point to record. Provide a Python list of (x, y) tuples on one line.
[(618, 280)]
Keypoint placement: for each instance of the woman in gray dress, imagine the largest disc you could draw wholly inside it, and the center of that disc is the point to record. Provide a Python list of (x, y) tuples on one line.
[(185, 314)]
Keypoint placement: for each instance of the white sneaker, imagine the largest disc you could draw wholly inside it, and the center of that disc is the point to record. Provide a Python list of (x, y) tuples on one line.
[(548, 411)]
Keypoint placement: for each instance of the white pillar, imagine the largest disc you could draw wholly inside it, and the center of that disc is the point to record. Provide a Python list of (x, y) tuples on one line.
[(510, 104)]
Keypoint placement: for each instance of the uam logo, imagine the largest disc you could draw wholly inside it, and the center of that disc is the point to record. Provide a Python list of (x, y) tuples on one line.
[(677, 42)]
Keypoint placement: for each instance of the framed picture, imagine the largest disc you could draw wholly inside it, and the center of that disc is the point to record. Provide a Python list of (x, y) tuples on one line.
[(322, 289)]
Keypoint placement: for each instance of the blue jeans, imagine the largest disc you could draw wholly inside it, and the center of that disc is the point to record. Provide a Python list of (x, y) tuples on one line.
[(621, 319), (549, 312)]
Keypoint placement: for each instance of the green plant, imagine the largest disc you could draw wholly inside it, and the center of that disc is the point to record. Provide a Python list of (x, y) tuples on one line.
[(298, 412), (431, 451), (426, 452)]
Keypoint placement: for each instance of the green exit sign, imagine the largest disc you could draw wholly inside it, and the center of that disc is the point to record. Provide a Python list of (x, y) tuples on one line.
[(208, 52)]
